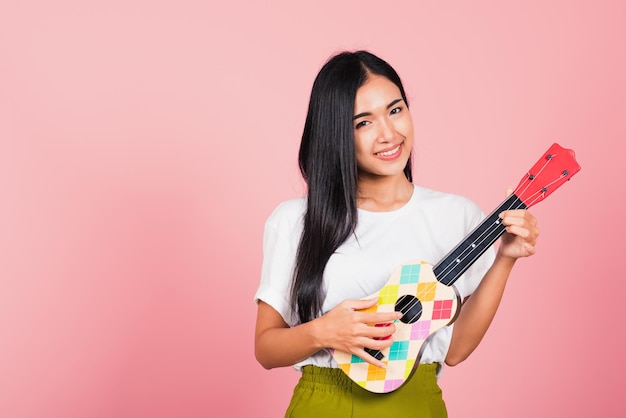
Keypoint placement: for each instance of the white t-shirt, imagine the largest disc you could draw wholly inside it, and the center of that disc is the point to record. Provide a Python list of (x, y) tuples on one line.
[(426, 228)]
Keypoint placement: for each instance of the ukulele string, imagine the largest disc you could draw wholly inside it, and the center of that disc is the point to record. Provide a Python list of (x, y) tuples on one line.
[(471, 250), (541, 194), (531, 177), (494, 227)]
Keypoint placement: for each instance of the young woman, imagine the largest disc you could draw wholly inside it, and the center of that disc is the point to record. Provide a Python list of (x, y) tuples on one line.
[(363, 217)]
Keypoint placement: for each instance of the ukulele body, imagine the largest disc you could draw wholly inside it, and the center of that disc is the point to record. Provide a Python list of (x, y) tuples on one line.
[(427, 306)]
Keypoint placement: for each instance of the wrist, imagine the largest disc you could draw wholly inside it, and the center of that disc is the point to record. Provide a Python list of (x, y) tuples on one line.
[(504, 261), (316, 332)]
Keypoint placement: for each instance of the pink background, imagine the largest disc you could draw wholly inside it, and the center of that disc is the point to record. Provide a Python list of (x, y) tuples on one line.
[(144, 143)]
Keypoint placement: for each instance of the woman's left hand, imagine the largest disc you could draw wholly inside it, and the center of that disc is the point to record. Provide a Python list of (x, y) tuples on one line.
[(521, 234)]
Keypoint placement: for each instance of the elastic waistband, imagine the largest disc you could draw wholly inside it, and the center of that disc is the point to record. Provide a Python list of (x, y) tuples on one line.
[(335, 380)]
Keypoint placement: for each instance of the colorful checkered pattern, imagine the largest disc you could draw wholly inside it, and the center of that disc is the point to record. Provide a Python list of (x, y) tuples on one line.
[(439, 307)]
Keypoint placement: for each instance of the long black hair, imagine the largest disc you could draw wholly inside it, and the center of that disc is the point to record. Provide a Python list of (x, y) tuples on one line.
[(327, 162)]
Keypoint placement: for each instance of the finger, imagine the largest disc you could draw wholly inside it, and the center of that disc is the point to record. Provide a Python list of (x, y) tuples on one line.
[(360, 304), (509, 191), (377, 332), (520, 231), (508, 220), (383, 331), (371, 360), (516, 213), (520, 218), (374, 345), (380, 317)]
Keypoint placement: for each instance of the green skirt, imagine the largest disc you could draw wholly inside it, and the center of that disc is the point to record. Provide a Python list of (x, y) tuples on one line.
[(327, 392)]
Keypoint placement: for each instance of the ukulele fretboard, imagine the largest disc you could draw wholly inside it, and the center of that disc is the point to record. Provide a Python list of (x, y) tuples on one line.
[(453, 265)]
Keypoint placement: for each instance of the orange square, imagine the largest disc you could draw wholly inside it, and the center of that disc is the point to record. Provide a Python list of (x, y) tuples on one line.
[(376, 373), (426, 291)]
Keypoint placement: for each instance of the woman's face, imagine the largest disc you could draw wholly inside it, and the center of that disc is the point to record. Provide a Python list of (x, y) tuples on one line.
[(383, 128)]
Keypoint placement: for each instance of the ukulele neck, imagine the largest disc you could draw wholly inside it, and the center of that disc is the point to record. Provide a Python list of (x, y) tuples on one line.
[(453, 265)]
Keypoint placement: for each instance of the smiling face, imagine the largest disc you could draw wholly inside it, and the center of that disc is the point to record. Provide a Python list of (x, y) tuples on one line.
[(383, 129)]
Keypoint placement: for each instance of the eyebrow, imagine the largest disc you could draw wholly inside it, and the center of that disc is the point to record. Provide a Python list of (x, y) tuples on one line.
[(360, 115)]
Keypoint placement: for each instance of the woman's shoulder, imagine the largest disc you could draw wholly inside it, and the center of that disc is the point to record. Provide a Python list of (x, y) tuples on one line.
[(287, 213), (447, 203), (425, 194)]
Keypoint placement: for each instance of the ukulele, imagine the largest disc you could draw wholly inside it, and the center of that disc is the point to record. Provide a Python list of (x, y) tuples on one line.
[(425, 295)]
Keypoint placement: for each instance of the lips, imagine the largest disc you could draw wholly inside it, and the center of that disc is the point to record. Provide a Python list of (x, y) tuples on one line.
[(389, 153)]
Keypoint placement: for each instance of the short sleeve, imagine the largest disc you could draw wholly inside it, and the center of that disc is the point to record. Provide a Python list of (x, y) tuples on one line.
[(280, 241)]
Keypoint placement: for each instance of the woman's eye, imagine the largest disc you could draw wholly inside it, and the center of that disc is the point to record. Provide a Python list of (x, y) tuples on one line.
[(361, 124), (396, 110)]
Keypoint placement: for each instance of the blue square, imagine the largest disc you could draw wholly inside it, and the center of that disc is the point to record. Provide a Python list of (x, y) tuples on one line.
[(410, 273), (399, 350), (356, 359)]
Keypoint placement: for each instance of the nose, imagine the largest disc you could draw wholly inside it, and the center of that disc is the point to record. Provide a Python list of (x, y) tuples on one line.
[(387, 131)]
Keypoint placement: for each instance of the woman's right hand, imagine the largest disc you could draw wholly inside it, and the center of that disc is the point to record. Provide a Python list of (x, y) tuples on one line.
[(346, 328)]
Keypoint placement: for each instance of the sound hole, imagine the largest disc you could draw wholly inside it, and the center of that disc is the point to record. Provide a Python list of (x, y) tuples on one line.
[(411, 308)]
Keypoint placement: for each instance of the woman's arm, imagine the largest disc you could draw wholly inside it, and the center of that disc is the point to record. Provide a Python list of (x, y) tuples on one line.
[(479, 310), (343, 328)]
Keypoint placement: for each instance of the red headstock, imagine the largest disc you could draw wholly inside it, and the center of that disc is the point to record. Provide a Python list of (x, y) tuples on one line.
[(555, 167)]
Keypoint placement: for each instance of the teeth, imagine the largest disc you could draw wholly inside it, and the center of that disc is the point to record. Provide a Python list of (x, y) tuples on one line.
[(388, 153)]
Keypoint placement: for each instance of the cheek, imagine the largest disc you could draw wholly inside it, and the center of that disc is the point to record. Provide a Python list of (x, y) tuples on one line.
[(406, 127), (361, 152), (361, 143), (360, 156)]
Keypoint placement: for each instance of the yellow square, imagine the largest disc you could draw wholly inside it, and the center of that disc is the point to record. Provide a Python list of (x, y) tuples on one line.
[(388, 295), (426, 291), (408, 367)]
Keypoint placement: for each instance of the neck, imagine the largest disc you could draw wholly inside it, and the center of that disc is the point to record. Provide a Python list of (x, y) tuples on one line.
[(383, 194)]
